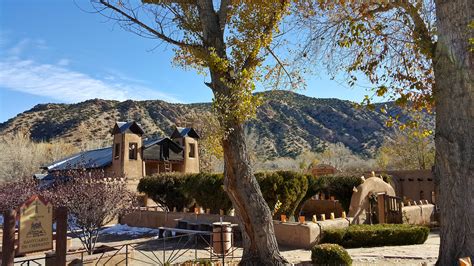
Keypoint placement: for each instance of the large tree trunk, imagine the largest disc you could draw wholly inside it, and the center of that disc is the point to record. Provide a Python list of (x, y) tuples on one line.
[(260, 245), (454, 96)]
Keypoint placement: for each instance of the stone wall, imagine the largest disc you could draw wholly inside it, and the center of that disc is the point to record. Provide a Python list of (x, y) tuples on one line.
[(289, 234)]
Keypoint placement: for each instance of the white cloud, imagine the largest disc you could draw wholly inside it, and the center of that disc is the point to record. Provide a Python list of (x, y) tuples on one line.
[(63, 62), (61, 83)]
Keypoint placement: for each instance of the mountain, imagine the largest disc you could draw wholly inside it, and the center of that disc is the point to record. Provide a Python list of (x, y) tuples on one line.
[(286, 125)]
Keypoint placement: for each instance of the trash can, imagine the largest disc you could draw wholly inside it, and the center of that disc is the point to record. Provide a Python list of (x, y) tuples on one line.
[(221, 237)]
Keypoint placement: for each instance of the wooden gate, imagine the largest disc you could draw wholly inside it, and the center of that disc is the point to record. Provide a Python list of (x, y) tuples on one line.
[(389, 209)]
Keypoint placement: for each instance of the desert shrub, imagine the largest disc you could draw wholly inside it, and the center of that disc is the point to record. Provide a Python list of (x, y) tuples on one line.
[(208, 191), (330, 254), (166, 189), (287, 187), (377, 235)]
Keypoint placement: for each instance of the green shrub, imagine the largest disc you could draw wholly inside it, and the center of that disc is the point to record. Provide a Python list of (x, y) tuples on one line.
[(166, 189), (285, 186), (208, 191), (338, 186), (330, 254), (377, 235)]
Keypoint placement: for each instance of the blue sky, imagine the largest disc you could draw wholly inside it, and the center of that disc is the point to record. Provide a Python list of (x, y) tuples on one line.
[(51, 51)]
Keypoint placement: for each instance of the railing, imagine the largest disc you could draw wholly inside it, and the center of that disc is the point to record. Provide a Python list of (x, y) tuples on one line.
[(152, 251)]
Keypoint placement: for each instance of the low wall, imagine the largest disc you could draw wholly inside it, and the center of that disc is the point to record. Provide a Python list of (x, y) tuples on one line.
[(318, 207), (288, 234), (419, 215), (154, 219)]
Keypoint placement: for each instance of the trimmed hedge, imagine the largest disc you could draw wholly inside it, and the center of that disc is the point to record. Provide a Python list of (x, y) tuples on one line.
[(285, 186), (208, 191), (330, 254), (166, 189), (364, 235)]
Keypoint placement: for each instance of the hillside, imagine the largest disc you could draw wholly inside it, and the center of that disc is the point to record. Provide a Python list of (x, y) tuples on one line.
[(287, 124)]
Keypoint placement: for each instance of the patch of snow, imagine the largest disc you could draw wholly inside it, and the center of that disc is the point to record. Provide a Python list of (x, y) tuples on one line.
[(123, 229)]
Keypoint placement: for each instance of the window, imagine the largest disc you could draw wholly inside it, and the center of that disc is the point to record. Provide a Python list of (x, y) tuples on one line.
[(117, 151), (132, 151), (192, 150)]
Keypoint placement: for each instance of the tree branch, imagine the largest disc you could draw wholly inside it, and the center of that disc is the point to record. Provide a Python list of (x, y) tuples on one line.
[(144, 26), (280, 63)]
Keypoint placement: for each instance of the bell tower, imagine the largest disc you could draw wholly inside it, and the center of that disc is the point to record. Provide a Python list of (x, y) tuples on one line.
[(188, 139), (127, 152)]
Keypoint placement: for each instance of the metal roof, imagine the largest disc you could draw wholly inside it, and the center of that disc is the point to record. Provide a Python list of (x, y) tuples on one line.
[(98, 158), (122, 127), (184, 132), (101, 158)]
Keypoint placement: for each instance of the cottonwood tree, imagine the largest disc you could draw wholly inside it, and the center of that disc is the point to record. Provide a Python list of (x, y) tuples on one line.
[(229, 40), (411, 149), (416, 53)]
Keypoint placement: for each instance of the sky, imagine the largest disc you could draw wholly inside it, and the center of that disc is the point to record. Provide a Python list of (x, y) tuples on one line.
[(53, 51)]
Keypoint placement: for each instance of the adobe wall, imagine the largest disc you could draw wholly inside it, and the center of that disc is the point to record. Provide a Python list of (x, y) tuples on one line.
[(133, 168), (312, 207), (122, 165), (419, 215), (191, 165), (289, 234), (413, 184), (360, 203)]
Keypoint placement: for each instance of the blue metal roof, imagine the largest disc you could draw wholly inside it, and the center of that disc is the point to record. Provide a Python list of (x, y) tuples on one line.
[(98, 158)]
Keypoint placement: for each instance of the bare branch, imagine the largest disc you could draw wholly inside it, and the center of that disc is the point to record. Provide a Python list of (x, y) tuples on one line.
[(132, 18)]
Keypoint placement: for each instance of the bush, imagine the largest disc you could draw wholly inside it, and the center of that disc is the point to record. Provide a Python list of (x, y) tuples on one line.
[(285, 186), (330, 254), (166, 189), (208, 191), (376, 235), (338, 186)]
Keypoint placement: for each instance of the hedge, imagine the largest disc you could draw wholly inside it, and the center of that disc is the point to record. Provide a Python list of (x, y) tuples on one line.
[(287, 187), (208, 191), (291, 189), (330, 254), (166, 189), (356, 236)]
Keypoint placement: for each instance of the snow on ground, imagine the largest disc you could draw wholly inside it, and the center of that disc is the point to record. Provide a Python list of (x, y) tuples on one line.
[(123, 229)]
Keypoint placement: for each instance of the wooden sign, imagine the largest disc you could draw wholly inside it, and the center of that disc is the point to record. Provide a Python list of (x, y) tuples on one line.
[(36, 226)]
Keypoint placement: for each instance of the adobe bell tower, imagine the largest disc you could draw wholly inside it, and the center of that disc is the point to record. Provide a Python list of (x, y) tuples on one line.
[(188, 139), (127, 153)]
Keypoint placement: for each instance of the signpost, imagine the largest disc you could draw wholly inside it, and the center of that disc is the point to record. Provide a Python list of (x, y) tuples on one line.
[(36, 226)]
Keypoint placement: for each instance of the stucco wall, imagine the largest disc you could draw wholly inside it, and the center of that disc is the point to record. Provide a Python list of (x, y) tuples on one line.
[(191, 165), (123, 166), (413, 184), (419, 215), (312, 207), (289, 234)]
